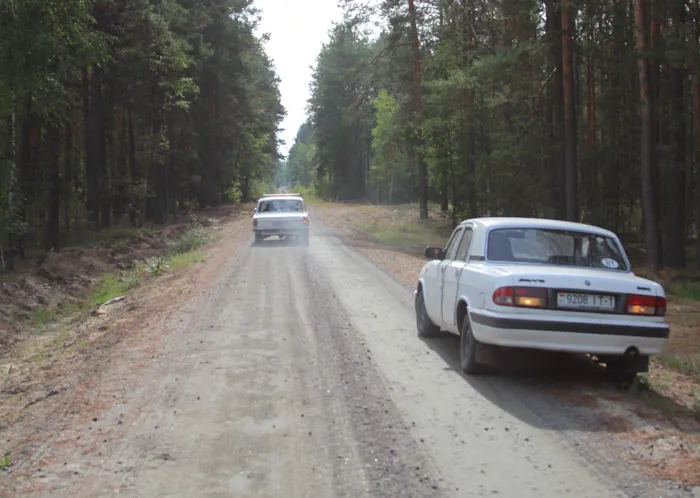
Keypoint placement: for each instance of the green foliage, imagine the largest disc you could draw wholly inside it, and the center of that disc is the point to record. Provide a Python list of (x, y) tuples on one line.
[(391, 177), (233, 194), (301, 167), (155, 266), (132, 278), (6, 461), (690, 366), (128, 110), (309, 193), (42, 316), (689, 290), (109, 286), (341, 115), (181, 261), (259, 187), (192, 239), (488, 117)]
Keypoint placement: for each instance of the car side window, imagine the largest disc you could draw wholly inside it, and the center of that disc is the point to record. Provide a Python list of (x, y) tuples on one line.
[(453, 243), (464, 245)]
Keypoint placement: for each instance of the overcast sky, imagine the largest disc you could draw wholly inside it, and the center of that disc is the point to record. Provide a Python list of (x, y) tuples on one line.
[(297, 31)]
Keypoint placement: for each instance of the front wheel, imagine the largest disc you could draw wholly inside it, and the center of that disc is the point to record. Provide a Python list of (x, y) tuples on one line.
[(468, 348), (426, 327)]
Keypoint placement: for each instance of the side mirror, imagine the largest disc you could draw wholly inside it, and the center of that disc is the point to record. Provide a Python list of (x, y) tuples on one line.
[(255, 210), (434, 253)]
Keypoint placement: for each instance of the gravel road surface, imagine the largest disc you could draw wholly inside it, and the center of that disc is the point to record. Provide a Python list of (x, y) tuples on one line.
[(300, 374)]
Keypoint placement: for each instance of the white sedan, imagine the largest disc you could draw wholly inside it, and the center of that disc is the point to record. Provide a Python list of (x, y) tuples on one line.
[(281, 215), (541, 284)]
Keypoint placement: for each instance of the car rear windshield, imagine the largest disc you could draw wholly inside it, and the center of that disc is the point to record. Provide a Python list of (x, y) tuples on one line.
[(289, 205), (555, 247)]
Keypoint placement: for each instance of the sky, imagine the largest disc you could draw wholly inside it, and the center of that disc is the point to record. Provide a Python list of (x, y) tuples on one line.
[(297, 31)]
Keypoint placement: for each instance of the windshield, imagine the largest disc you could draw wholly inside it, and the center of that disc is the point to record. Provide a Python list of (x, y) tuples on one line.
[(289, 205), (555, 247)]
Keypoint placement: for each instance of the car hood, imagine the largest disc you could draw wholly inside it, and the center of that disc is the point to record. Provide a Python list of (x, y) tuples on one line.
[(585, 279)]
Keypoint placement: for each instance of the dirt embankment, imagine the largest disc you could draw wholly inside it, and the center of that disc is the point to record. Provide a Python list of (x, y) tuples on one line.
[(58, 282), (655, 426), (60, 376)]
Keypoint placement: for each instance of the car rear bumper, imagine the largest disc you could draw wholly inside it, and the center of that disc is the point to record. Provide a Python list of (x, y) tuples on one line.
[(281, 231), (594, 337)]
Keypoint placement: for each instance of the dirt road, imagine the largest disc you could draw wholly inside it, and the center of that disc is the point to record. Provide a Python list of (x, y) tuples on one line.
[(300, 375)]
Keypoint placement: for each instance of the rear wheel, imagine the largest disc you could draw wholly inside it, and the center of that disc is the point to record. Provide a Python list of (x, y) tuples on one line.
[(468, 348), (305, 239), (620, 370), (258, 238), (426, 328)]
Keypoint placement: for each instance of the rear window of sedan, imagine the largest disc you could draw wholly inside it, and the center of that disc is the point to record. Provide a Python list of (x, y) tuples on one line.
[(293, 205), (555, 247)]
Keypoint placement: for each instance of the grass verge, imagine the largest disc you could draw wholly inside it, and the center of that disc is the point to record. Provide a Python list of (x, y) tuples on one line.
[(688, 366), (181, 254)]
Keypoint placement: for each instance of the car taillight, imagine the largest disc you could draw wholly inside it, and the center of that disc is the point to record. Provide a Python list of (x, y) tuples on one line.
[(524, 297), (646, 305), (306, 220), (503, 296), (255, 223), (660, 306), (531, 297)]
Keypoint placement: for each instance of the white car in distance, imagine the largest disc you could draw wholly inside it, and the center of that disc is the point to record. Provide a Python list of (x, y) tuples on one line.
[(541, 284), (281, 215)]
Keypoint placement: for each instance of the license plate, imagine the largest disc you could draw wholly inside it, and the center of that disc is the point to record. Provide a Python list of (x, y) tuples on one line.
[(576, 300)]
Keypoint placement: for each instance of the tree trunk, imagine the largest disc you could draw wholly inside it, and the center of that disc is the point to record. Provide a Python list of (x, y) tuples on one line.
[(12, 187), (455, 200), (6, 249), (696, 122), (53, 223), (69, 175), (649, 195), (567, 23), (91, 168), (555, 112), (674, 252), (418, 108), (593, 203), (444, 190), (26, 172)]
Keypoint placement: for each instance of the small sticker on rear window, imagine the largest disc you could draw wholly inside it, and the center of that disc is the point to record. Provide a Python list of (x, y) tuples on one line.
[(610, 263)]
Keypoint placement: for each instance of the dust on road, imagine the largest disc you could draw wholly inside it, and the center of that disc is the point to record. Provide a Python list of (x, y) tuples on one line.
[(300, 374)]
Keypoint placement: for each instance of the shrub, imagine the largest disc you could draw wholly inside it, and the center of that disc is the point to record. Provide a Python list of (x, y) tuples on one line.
[(190, 240), (155, 266)]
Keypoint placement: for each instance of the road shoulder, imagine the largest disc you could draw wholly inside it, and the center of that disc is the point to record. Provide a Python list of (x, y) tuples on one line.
[(655, 436)]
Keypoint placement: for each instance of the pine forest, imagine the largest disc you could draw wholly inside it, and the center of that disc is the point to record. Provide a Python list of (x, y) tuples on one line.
[(118, 111), (580, 110)]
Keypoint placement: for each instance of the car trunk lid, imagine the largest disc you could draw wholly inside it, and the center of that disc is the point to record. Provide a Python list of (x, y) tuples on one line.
[(581, 289), (281, 220)]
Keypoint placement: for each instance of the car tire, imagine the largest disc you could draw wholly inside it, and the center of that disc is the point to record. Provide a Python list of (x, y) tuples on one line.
[(305, 240), (258, 238), (617, 371), (425, 326), (468, 349)]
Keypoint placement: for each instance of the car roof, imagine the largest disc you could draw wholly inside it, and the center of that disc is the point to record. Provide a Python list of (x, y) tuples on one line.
[(280, 197), (509, 222)]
